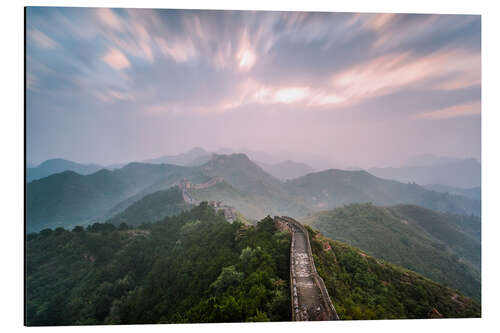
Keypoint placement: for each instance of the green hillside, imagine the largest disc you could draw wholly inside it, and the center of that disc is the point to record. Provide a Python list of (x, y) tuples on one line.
[(67, 198), (437, 245), (362, 287), (153, 207)]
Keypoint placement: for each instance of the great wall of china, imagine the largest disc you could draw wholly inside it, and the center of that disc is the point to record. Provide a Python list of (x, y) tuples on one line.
[(185, 185), (309, 297)]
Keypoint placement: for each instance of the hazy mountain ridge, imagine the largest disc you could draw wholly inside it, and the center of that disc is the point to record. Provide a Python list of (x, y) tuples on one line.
[(193, 157), (444, 247), (67, 198), (58, 165), (315, 161), (87, 200), (333, 188)]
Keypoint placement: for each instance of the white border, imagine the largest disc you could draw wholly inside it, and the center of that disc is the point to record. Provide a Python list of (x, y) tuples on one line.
[(11, 139)]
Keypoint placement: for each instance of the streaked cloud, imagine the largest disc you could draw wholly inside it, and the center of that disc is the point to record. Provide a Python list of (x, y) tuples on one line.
[(326, 69), (42, 40), (108, 17), (111, 95), (116, 59), (464, 110), (180, 51), (388, 73)]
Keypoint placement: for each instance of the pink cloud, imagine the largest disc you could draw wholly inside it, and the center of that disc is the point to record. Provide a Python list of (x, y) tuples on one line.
[(106, 16), (116, 59), (110, 95), (444, 69), (379, 21), (464, 110), (392, 72), (291, 95), (246, 55), (180, 51), (223, 55), (42, 40)]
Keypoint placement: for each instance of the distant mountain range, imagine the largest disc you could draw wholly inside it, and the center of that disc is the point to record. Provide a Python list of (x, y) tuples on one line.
[(333, 188), (195, 156), (66, 199), (69, 198), (464, 173), (58, 165), (315, 161)]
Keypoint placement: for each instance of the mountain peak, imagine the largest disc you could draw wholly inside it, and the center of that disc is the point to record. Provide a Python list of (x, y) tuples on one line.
[(197, 150), (234, 157), (237, 161)]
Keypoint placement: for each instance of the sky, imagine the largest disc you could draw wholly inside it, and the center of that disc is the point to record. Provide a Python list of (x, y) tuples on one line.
[(116, 85)]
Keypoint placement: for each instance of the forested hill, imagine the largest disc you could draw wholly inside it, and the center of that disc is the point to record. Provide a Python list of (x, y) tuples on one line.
[(444, 247), (196, 267), (363, 287), (153, 207)]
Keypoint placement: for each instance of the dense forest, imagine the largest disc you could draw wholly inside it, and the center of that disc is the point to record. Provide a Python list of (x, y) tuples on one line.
[(194, 267), (197, 267), (362, 287)]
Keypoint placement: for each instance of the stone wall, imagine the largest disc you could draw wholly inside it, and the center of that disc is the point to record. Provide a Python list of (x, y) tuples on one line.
[(288, 224)]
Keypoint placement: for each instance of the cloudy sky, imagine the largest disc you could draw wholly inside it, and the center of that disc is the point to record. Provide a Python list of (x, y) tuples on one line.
[(114, 85)]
